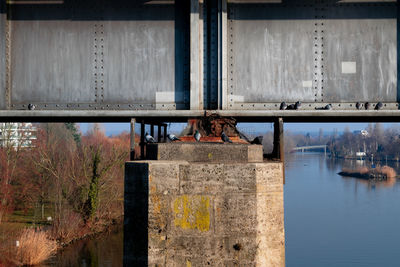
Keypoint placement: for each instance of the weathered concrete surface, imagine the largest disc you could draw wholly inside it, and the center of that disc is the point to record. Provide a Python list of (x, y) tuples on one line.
[(205, 152), (204, 214)]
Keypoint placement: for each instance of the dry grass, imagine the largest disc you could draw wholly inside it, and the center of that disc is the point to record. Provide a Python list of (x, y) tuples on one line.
[(384, 170), (68, 228), (361, 170), (388, 171), (34, 248)]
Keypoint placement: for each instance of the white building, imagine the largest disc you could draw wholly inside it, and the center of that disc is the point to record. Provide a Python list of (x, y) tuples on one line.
[(17, 134)]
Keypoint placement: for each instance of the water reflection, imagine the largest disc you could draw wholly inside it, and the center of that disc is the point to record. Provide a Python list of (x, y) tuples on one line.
[(372, 184), (333, 164), (105, 250), (339, 221)]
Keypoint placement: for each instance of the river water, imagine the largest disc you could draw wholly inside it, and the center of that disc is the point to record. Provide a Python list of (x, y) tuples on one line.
[(330, 221), (335, 221), (105, 250)]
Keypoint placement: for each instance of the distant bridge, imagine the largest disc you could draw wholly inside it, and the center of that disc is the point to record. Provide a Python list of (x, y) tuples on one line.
[(304, 148)]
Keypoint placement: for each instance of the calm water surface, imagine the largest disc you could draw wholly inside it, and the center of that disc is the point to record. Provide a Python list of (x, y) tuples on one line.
[(329, 220), (335, 221), (106, 250)]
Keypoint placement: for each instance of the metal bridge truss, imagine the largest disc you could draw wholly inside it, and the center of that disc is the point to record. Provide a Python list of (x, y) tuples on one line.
[(167, 60)]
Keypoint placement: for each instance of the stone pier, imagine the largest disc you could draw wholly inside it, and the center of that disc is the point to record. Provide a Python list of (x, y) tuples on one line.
[(221, 206)]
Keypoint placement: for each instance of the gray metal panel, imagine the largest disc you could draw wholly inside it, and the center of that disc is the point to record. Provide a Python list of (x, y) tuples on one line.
[(269, 60), (294, 51), (372, 46), (52, 61), (2, 59), (98, 54), (145, 58), (139, 60)]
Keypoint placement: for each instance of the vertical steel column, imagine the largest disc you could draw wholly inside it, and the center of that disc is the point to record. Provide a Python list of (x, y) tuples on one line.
[(3, 51), (132, 137), (152, 130), (159, 133), (212, 53), (279, 148), (223, 56), (196, 56), (165, 133), (206, 69), (8, 57), (398, 50), (219, 55), (142, 126)]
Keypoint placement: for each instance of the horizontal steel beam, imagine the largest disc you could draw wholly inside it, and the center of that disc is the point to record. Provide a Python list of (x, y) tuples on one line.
[(154, 116)]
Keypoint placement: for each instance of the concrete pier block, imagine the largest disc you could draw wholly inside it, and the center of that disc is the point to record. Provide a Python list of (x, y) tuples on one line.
[(180, 213), (205, 152)]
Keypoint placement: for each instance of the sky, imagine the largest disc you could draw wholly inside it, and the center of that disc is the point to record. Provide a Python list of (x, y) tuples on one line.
[(249, 128)]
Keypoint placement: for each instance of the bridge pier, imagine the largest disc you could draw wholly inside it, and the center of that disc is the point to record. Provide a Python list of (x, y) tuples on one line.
[(204, 204)]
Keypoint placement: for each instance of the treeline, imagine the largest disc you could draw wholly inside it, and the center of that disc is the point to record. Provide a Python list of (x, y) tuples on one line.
[(293, 140), (381, 143), (376, 141), (74, 180)]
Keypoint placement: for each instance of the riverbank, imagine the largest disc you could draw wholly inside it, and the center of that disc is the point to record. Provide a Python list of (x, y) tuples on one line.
[(367, 158), (21, 243), (100, 250)]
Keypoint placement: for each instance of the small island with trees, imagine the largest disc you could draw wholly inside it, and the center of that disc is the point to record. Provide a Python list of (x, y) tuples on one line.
[(374, 146)]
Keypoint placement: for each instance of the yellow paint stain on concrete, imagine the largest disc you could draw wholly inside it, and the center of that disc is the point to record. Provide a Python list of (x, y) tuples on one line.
[(156, 205), (156, 201), (153, 189), (192, 212), (210, 155), (188, 263)]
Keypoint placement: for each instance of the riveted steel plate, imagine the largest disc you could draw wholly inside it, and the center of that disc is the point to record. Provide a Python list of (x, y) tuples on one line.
[(360, 59), (140, 59), (51, 55), (51, 61), (3, 66), (270, 53), (100, 55), (311, 51)]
